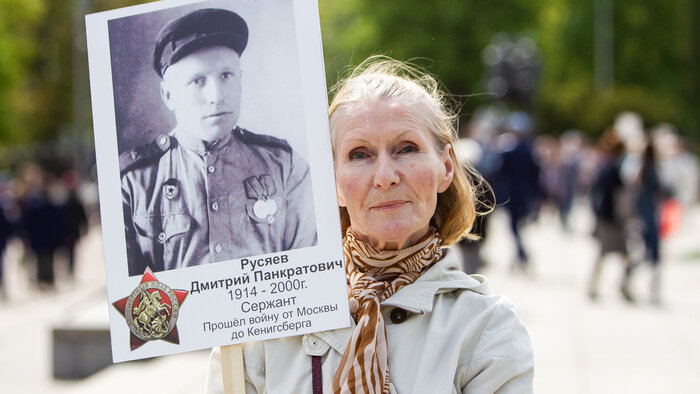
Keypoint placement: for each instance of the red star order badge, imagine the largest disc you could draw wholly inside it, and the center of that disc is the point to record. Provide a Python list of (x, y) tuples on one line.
[(151, 311)]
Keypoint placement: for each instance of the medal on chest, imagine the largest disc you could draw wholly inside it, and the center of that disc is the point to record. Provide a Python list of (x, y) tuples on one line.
[(261, 189)]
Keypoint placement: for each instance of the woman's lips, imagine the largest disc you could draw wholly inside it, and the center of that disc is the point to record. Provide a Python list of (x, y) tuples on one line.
[(389, 205)]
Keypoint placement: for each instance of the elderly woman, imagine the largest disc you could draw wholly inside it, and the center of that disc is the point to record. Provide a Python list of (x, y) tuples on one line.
[(420, 325)]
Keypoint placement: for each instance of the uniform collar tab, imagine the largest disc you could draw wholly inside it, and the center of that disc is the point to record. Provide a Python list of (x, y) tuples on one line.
[(188, 141)]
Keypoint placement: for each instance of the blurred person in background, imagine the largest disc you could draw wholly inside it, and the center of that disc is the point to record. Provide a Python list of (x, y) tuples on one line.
[(647, 200), (611, 209), (478, 150), (679, 174), (470, 153), (629, 128), (41, 222), (517, 184), (587, 168), (572, 155), (74, 217), (6, 231), (548, 157)]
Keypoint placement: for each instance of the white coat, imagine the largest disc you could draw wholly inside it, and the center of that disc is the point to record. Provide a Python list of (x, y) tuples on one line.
[(455, 338)]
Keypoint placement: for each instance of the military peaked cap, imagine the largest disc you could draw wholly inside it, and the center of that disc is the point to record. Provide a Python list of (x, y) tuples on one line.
[(199, 29)]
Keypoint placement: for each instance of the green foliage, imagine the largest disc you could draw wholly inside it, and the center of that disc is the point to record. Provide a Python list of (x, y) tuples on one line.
[(656, 63), (656, 70), (18, 19), (651, 64), (41, 48), (575, 107), (448, 35)]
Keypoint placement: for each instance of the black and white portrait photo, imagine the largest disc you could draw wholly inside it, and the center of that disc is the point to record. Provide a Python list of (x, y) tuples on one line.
[(215, 172), (213, 156)]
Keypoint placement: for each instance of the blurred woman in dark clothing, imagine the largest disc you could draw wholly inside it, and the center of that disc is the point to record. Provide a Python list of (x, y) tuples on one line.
[(606, 194), (517, 181), (647, 203), (41, 223), (6, 230), (74, 217)]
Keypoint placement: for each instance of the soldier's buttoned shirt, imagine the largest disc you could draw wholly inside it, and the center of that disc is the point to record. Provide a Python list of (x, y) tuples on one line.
[(189, 204)]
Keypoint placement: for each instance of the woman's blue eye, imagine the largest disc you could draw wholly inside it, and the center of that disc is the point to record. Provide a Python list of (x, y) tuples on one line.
[(199, 81), (357, 155), (408, 149), (227, 75)]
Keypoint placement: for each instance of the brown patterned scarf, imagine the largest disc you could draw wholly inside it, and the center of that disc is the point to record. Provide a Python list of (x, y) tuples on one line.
[(374, 276)]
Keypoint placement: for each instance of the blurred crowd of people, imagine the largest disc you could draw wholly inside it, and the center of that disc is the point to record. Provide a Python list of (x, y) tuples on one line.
[(44, 211), (637, 182)]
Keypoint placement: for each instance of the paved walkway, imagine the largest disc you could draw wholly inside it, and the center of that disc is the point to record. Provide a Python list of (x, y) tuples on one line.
[(607, 346), (28, 316), (581, 347)]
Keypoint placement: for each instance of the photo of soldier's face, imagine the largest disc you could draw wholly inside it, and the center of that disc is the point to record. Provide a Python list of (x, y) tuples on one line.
[(203, 90), (209, 172), (202, 181)]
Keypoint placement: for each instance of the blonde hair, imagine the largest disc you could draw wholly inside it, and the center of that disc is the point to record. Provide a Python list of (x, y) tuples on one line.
[(383, 78)]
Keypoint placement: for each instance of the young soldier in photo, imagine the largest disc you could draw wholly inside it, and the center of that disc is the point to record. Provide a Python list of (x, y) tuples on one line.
[(210, 190)]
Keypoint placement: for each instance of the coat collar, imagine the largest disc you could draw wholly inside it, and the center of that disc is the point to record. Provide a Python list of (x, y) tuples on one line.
[(446, 275)]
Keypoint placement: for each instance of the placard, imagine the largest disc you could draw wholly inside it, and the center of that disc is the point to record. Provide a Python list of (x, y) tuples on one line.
[(215, 174)]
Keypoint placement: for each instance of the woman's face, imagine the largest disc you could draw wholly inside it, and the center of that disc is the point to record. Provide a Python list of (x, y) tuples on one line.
[(388, 173)]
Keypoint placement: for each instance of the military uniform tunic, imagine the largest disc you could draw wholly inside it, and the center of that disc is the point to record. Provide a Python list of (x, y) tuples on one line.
[(243, 195)]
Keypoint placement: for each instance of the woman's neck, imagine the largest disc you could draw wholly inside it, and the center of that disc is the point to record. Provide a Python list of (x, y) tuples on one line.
[(393, 244)]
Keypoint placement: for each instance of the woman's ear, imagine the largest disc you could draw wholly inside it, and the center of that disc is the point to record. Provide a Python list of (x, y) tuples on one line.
[(446, 179)]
